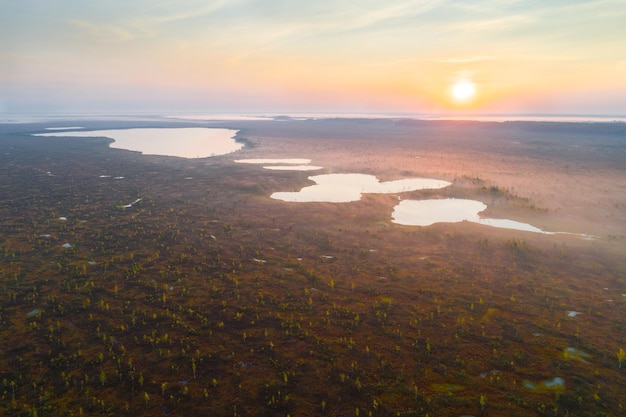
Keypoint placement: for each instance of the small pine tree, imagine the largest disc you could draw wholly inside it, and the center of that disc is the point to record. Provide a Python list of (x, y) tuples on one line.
[(621, 355)]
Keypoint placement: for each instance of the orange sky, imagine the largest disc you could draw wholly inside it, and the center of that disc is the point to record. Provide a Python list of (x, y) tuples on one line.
[(328, 55)]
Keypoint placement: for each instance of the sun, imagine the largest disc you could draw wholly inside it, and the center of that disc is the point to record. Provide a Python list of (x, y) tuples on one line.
[(463, 91)]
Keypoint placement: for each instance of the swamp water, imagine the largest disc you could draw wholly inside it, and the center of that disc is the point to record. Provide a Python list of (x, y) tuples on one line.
[(289, 164), (451, 210), (334, 188), (344, 188), (189, 142)]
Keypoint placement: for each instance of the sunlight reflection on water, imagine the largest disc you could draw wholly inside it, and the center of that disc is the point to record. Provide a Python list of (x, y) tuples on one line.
[(192, 142), (344, 188), (451, 210)]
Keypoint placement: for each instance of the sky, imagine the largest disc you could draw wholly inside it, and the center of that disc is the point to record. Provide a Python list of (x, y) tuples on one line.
[(177, 56)]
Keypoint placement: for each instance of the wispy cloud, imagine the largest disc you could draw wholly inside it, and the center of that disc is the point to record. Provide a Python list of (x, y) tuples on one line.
[(362, 17), (511, 58), (314, 46), (326, 18), (495, 23), (103, 32), (469, 59), (123, 28)]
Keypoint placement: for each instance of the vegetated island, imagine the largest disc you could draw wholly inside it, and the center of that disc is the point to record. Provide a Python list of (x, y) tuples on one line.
[(151, 285)]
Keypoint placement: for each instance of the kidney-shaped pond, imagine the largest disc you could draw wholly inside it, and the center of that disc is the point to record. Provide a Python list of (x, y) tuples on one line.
[(451, 210)]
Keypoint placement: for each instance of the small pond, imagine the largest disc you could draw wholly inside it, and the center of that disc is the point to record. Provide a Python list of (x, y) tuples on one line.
[(286, 164)]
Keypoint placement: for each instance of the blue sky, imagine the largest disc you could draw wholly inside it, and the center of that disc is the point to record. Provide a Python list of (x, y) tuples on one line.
[(281, 56)]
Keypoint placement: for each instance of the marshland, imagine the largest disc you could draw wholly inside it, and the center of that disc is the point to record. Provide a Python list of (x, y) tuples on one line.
[(147, 284)]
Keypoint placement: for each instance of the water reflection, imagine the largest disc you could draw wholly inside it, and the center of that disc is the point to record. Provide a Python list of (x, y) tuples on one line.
[(427, 212), (300, 161), (550, 386), (286, 164), (451, 210), (191, 142), (344, 188), (292, 167), (512, 224)]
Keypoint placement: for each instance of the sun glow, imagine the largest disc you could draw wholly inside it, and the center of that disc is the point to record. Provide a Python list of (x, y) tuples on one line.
[(463, 91)]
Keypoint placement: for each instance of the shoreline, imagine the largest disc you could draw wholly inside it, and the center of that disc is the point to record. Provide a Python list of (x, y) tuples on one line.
[(552, 183)]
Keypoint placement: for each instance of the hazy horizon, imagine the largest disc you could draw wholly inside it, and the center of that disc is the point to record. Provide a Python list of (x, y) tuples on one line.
[(437, 57)]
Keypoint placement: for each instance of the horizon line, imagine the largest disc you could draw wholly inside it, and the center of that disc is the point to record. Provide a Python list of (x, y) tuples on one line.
[(198, 115)]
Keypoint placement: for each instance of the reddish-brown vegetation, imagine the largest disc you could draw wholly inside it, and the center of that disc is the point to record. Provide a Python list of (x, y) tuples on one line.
[(208, 298)]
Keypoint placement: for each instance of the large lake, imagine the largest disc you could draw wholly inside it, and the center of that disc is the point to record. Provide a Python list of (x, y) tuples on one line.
[(190, 142)]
